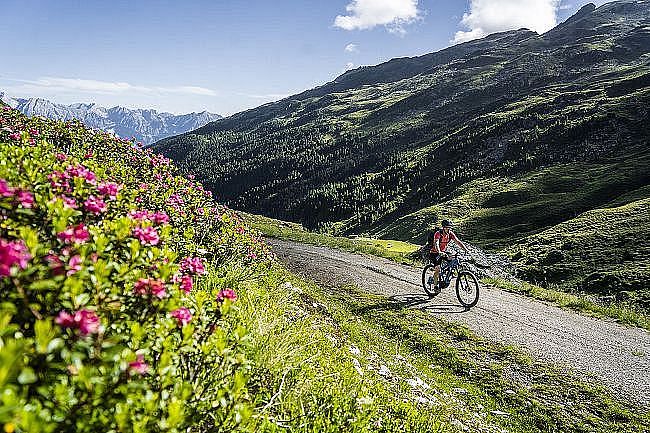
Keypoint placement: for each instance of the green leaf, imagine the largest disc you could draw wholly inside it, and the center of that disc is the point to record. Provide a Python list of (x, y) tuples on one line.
[(43, 285), (27, 376), (43, 334)]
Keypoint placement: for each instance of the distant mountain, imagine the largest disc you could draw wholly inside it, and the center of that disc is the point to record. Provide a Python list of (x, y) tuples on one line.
[(517, 136), (146, 126)]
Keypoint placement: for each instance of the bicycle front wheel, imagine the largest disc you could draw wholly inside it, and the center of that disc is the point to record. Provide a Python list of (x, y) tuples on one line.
[(428, 279), (467, 289)]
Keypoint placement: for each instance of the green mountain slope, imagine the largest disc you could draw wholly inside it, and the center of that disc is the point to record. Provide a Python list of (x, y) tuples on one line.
[(388, 149)]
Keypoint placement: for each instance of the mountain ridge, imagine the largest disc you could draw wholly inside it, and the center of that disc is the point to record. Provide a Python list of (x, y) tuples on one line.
[(146, 125)]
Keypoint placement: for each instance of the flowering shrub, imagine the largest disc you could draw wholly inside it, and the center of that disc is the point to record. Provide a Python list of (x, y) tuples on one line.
[(102, 326)]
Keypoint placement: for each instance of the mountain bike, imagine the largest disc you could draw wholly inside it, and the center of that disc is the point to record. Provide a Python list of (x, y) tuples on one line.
[(467, 287)]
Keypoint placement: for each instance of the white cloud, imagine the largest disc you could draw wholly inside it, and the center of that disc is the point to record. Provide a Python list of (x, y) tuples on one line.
[(367, 14), (491, 16), (78, 85), (351, 48)]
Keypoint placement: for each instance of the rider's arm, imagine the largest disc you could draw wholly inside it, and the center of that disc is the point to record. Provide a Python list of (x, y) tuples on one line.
[(436, 243), (458, 241)]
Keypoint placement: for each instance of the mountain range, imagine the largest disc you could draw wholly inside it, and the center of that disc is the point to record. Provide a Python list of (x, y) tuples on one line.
[(535, 144), (147, 126)]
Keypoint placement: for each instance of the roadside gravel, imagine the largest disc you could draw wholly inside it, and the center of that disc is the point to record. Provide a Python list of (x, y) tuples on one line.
[(616, 356)]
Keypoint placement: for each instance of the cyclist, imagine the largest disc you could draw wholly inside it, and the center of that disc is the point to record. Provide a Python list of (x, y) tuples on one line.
[(441, 239)]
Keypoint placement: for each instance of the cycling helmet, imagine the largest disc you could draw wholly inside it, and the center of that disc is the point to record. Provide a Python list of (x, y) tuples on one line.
[(447, 223)]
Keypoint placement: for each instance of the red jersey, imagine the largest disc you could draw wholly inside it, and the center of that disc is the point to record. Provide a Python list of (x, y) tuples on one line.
[(443, 239)]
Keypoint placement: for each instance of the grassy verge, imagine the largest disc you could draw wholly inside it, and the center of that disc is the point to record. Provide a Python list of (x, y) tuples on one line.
[(399, 251), (337, 359)]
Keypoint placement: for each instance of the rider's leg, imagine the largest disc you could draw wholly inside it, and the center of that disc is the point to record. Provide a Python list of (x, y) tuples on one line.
[(436, 274)]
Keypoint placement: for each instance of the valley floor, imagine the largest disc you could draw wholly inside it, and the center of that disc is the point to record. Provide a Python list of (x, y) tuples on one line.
[(614, 355)]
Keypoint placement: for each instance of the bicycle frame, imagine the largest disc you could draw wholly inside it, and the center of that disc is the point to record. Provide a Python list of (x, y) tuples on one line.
[(447, 269)]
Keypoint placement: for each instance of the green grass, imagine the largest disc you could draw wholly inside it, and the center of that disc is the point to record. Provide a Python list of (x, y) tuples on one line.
[(318, 355), (499, 211), (603, 252), (397, 251)]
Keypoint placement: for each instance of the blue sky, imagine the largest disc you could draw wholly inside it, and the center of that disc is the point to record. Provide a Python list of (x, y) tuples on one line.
[(228, 55)]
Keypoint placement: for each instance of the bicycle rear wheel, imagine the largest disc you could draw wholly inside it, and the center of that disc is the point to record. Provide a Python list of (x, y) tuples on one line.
[(428, 280), (467, 289)]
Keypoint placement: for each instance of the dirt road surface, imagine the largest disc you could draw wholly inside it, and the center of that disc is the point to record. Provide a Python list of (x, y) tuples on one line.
[(615, 355)]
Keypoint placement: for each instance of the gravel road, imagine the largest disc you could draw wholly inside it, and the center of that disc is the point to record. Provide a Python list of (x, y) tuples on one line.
[(616, 356)]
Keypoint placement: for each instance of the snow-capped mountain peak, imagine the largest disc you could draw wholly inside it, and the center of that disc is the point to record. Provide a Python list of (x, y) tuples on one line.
[(146, 125)]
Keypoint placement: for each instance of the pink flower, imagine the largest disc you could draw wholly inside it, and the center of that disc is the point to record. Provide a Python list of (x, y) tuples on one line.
[(186, 283), (160, 218), (139, 366), (5, 189), (183, 316), (25, 198), (77, 234), (69, 202), (157, 289), (141, 287), (74, 265), (95, 205), (87, 321), (193, 265), (146, 235), (175, 199), (13, 254), (88, 155), (81, 172), (61, 156), (226, 294), (59, 180), (108, 188), (139, 215), (64, 319), (33, 132), (55, 264), (15, 136), (146, 286)]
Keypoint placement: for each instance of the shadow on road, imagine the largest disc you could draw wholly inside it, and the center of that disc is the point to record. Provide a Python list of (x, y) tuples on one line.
[(421, 302)]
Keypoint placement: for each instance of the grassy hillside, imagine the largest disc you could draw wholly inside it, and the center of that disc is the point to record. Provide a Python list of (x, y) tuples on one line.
[(510, 135), (381, 142)]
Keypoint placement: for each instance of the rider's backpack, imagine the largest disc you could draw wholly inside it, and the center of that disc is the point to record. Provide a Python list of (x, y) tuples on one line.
[(431, 237)]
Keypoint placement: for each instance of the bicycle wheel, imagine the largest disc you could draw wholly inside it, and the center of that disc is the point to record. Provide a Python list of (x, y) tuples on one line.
[(467, 289), (428, 280)]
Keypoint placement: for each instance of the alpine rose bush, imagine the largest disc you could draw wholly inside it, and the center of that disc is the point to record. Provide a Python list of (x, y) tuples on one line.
[(106, 324)]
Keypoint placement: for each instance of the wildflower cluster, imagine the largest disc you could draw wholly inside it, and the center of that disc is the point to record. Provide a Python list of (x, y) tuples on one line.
[(102, 246)]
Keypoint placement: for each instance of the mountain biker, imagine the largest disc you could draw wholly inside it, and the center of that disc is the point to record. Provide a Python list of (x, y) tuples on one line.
[(440, 240)]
